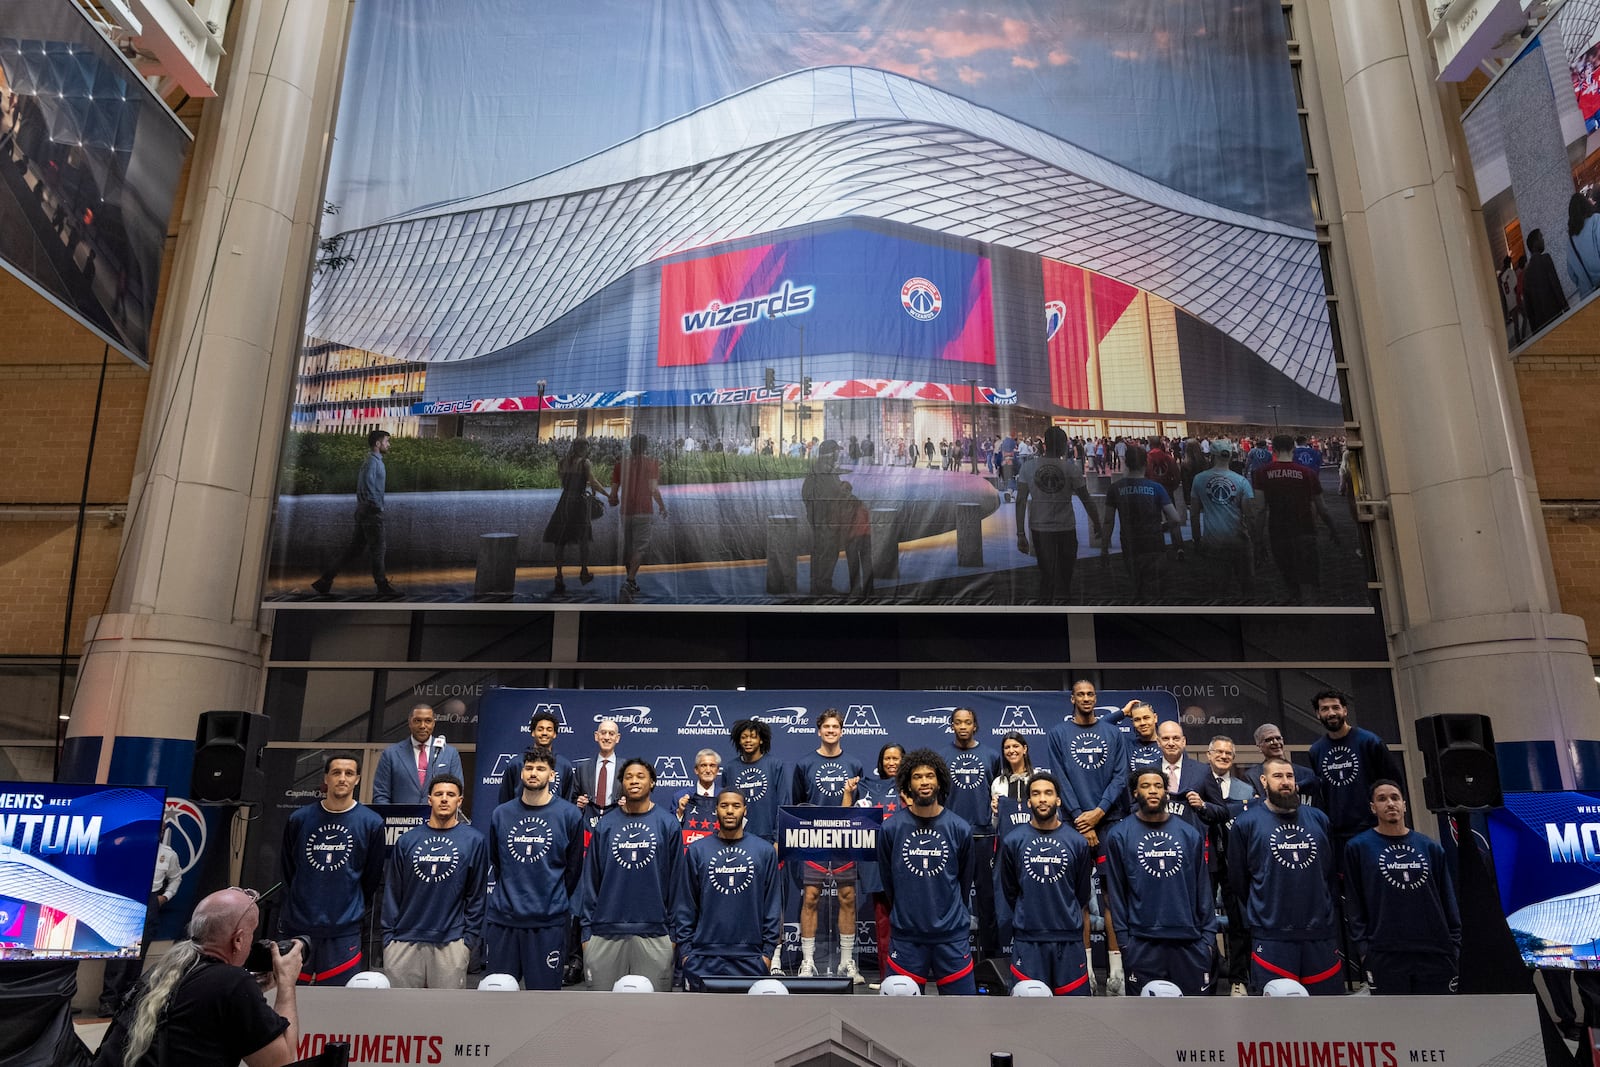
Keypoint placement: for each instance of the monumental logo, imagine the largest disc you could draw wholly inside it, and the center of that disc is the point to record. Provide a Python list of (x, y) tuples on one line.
[(634, 719), (1019, 718), (793, 720), (671, 773), (863, 719), (704, 719), (186, 831), (921, 299), (781, 303), (554, 709)]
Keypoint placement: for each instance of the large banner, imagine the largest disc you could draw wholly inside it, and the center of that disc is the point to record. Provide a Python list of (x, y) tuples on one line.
[(465, 1027), (839, 269), (1547, 864), (75, 869)]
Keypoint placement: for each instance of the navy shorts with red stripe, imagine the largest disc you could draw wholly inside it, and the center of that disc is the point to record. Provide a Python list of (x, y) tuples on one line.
[(1061, 965), (1189, 965), (947, 965), (1317, 965), (331, 961), (823, 873)]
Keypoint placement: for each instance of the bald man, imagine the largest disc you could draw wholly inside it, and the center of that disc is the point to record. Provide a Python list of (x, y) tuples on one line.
[(214, 1014)]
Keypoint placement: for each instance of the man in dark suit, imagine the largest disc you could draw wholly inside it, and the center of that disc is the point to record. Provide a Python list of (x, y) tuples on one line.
[(1183, 775), (599, 785), (1227, 795), (407, 766)]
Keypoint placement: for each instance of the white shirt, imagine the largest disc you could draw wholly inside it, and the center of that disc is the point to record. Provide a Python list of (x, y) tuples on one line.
[(169, 874)]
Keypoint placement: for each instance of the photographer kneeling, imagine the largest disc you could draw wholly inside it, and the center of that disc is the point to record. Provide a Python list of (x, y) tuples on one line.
[(198, 1006)]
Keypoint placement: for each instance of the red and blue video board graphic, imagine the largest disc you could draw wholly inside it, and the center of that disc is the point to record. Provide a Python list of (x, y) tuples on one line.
[(848, 291), (1547, 863), (75, 868), (1066, 326)]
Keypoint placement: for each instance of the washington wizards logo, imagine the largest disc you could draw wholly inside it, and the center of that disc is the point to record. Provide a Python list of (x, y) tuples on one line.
[(633, 847), (921, 299), (528, 839), (435, 860), (1089, 750), (1045, 860), (925, 853), (829, 778), (328, 847), (1159, 854), (969, 772), (1049, 478), (752, 783), (1221, 492), (1402, 866), (1055, 313), (1338, 766), (731, 871), (1292, 847)]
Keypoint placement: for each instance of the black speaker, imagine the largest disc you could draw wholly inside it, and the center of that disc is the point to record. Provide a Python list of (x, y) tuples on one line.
[(1460, 773), (227, 758), (993, 977)]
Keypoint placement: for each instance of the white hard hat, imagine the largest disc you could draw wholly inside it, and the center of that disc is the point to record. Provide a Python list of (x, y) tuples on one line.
[(1161, 988), (633, 983), (1284, 987), (1031, 987), (368, 980), (498, 981), (768, 987), (899, 985)]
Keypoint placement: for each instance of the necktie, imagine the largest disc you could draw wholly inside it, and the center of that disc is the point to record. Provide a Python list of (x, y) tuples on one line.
[(1172, 779), (600, 784), (422, 766)]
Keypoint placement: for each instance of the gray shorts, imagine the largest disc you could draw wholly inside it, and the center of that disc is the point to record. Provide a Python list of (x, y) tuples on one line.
[(605, 959), (418, 965)]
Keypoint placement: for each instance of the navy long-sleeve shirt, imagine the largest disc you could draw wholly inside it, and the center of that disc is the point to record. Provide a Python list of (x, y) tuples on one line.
[(332, 864), (726, 900), (924, 863), (1092, 763), (1347, 768), (628, 874), (564, 784), (767, 785), (820, 779), (1043, 883), (537, 858), (1399, 894), (972, 772), (1157, 879), (1282, 869), (434, 893)]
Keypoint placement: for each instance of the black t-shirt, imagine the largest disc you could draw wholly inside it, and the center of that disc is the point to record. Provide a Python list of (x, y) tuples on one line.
[(216, 1018)]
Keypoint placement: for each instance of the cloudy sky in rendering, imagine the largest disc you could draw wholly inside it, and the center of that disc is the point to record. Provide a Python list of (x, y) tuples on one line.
[(445, 99)]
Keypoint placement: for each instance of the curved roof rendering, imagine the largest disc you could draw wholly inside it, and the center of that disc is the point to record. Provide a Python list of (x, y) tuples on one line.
[(465, 279)]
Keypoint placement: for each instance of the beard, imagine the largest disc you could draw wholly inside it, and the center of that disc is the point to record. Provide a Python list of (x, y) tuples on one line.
[(1286, 802)]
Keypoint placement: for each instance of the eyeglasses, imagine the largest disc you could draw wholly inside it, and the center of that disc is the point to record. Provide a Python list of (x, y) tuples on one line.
[(253, 894)]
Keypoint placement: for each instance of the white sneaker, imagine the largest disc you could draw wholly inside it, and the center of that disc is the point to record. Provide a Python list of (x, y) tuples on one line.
[(808, 969), (777, 967), (1239, 990), (848, 970)]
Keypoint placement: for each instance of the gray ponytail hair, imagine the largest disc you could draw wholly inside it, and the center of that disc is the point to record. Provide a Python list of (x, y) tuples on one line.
[(213, 921)]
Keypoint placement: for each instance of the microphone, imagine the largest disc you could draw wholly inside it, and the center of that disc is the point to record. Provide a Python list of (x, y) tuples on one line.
[(436, 742)]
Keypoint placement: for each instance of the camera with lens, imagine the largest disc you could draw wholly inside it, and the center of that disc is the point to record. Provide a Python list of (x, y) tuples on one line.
[(260, 959)]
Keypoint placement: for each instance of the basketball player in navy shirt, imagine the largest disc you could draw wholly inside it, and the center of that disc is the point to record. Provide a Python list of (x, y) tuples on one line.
[(1280, 865), (765, 782), (828, 778), (973, 767), (1401, 903), (332, 864), (1090, 758), (542, 728), (537, 858), (924, 856), (1161, 891), (1044, 877), (1347, 760), (433, 896), (727, 908)]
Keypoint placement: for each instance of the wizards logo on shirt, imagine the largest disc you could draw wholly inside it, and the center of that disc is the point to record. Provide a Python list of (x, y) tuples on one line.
[(1292, 847), (634, 847), (1044, 860), (329, 846), (435, 860), (752, 782), (1338, 766), (528, 840), (925, 853), (1159, 854), (1402, 866), (968, 771), (1089, 750), (828, 779), (731, 870)]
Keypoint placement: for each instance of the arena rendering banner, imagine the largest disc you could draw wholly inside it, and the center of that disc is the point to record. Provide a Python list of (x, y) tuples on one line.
[(855, 303)]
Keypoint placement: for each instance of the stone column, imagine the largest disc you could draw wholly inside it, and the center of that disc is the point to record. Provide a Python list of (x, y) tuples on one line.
[(1474, 614), (182, 632)]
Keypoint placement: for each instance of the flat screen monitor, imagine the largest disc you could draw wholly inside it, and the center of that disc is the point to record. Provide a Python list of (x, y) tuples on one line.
[(820, 984), (1547, 862), (76, 864)]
